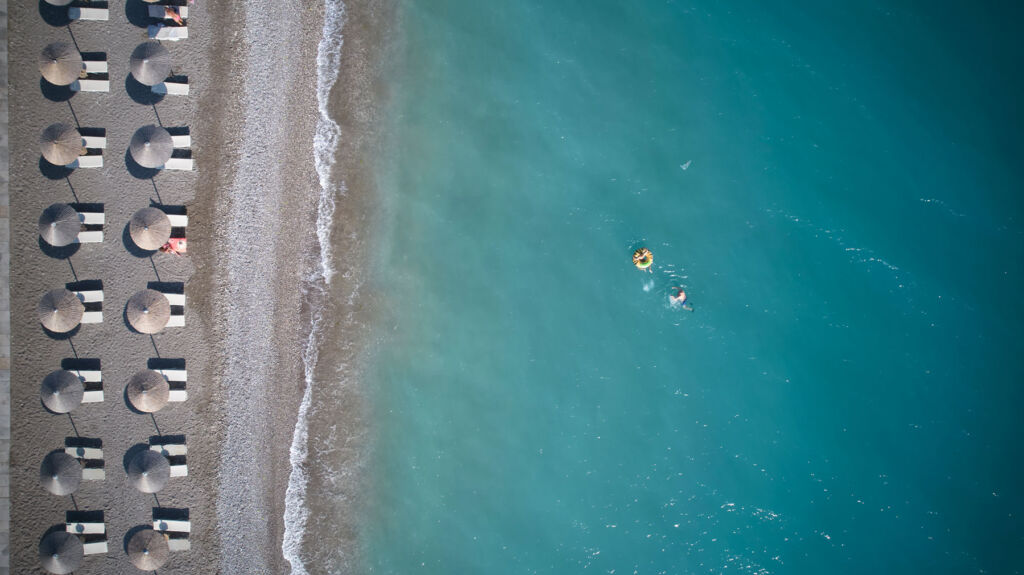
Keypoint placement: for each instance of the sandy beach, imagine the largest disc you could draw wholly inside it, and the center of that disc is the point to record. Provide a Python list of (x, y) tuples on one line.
[(252, 116)]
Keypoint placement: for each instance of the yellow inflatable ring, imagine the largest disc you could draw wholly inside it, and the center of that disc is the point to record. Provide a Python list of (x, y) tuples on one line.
[(643, 258)]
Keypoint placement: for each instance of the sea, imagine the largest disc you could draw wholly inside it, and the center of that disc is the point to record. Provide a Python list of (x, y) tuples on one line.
[(837, 188)]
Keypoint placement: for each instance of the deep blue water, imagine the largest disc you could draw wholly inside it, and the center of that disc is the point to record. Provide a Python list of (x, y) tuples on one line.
[(846, 396)]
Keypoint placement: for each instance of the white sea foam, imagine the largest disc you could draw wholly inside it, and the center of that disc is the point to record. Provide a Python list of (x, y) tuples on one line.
[(325, 146)]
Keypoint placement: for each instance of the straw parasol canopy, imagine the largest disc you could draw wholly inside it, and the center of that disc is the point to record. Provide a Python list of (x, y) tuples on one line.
[(60, 63), (148, 311), (60, 310), (60, 474), (151, 146), (150, 228), (149, 471), (61, 144), (151, 63), (59, 225), (148, 391), (61, 391), (61, 552), (148, 549)]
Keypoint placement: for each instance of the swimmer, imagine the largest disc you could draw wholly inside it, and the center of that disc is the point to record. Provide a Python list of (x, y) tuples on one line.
[(680, 299)]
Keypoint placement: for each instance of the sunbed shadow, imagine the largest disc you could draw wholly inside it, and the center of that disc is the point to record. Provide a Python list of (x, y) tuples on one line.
[(55, 93), (60, 253), (141, 93), (61, 336), (129, 244), (137, 13), (137, 171), (52, 172), (54, 15)]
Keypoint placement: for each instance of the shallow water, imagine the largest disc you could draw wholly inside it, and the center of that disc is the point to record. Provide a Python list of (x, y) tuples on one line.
[(838, 191)]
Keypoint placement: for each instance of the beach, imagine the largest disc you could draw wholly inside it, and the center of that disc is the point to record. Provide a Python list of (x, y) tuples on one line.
[(253, 250)]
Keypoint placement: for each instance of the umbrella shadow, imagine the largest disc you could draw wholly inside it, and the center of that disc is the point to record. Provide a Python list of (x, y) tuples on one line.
[(59, 253), (141, 93), (132, 453), (137, 170), (137, 13), (53, 172), (61, 336), (129, 244), (54, 15), (131, 533), (55, 93)]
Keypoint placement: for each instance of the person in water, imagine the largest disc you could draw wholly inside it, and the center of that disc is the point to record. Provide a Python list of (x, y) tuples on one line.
[(679, 298)]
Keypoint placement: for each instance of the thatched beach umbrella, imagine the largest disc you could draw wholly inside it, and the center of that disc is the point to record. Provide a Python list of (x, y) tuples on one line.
[(148, 311), (151, 63), (60, 310), (61, 552), (60, 63), (151, 146), (148, 549), (60, 474), (148, 391), (150, 228), (59, 225), (61, 391), (61, 144), (149, 471)]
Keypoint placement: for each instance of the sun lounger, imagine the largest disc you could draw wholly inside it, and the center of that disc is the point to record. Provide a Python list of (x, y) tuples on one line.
[(92, 218), (96, 142), (90, 85), (178, 164), (80, 13), (176, 321), (178, 221), (182, 141), (95, 161), (171, 449), (179, 470), (93, 474), (89, 237), (83, 528), (175, 298), (178, 544), (157, 11), (88, 375), (94, 547), (169, 33), (173, 374), (95, 66), (171, 88), (177, 526), (90, 296), (92, 317), (177, 395), (84, 452), (92, 396)]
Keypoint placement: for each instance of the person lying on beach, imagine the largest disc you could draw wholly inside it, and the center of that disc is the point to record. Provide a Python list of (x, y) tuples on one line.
[(172, 13), (680, 299)]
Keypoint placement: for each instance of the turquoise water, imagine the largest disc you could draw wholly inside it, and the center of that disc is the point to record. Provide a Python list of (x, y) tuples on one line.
[(846, 396)]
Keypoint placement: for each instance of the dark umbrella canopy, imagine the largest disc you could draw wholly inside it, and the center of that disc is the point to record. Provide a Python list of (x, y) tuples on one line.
[(60, 474), (148, 391), (151, 146), (148, 549), (60, 310), (151, 63), (150, 228), (61, 144), (61, 391), (148, 311), (61, 552), (149, 471), (59, 225), (60, 63)]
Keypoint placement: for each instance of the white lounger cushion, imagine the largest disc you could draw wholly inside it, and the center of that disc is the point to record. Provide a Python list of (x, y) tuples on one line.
[(178, 164), (93, 474), (171, 33), (77, 13), (177, 395), (87, 85), (176, 321), (84, 452), (90, 237), (172, 525), (94, 141), (171, 88), (92, 218), (179, 470), (95, 396), (94, 547), (175, 544), (171, 449), (158, 11), (92, 317), (178, 221), (90, 296), (173, 374), (85, 528), (175, 298), (88, 375), (95, 66), (88, 162), (182, 141)]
